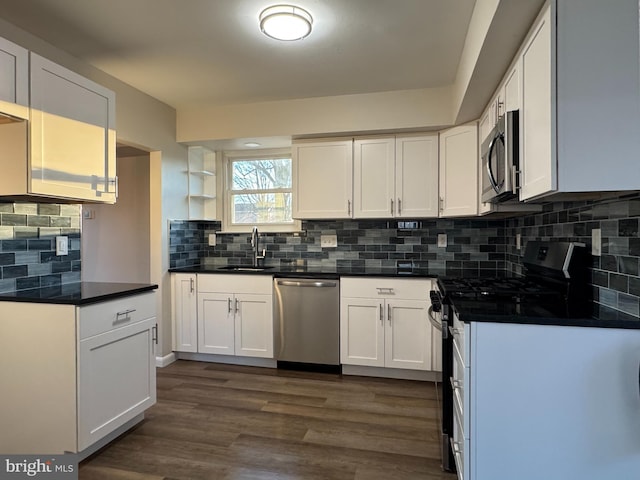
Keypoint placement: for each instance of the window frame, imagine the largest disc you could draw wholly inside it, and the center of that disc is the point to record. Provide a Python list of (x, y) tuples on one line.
[(264, 154)]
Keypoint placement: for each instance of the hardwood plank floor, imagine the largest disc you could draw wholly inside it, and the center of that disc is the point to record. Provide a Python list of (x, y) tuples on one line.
[(223, 422)]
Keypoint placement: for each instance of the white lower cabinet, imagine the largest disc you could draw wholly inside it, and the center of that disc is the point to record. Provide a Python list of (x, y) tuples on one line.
[(223, 314), (384, 323), (540, 401), (93, 366)]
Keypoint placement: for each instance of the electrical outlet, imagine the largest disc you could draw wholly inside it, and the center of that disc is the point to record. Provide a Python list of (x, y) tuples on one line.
[(62, 245), (596, 242), (442, 240), (88, 213), (212, 239), (328, 241)]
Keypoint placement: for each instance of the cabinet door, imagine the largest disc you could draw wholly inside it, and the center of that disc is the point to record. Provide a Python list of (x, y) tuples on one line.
[(116, 379), (14, 79), (216, 327), (408, 335), (254, 326), (537, 161), (72, 135), (185, 313), (374, 173), (322, 179), (459, 171), (513, 89), (417, 176), (362, 331)]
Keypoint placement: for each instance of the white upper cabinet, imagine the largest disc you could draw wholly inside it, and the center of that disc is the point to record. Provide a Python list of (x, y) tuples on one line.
[(374, 177), (417, 176), (72, 134), (396, 177), (581, 99), (323, 179), (14, 79), (459, 171)]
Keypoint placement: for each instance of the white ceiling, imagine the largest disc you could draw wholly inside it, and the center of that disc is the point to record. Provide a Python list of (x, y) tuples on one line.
[(190, 53)]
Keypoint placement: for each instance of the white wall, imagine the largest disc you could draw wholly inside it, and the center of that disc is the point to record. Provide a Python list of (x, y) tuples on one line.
[(387, 111), (115, 242)]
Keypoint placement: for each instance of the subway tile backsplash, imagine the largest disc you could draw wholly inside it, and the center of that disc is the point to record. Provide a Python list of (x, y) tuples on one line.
[(475, 246), (27, 245)]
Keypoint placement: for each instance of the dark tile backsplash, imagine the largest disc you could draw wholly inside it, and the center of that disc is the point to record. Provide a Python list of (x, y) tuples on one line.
[(27, 245), (472, 245), (614, 274), (475, 246)]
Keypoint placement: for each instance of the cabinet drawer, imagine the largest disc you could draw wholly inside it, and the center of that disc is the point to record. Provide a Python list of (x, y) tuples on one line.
[(105, 316), (258, 284), (385, 288)]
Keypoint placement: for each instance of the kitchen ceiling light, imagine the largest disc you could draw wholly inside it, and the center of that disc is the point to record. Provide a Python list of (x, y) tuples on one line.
[(252, 144), (285, 22)]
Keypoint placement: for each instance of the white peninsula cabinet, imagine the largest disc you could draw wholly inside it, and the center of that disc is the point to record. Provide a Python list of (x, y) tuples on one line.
[(396, 177), (75, 376), (223, 314), (322, 179), (384, 323), (541, 401), (581, 97)]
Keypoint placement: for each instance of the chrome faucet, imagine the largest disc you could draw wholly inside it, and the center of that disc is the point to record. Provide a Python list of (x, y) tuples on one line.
[(255, 240)]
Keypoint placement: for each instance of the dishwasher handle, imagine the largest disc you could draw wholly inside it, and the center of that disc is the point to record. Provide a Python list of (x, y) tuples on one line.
[(306, 283)]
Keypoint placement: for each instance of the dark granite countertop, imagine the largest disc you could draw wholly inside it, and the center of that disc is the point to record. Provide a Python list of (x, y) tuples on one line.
[(298, 271), (80, 293), (591, 315)]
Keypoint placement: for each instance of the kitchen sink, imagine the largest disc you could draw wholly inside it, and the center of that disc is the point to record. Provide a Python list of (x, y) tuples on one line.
[(239, 268)]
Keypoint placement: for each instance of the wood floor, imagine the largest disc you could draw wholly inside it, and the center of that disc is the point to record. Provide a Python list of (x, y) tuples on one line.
[(227, 422)]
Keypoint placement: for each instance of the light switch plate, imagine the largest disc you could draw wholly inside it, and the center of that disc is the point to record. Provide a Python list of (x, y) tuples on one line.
[(442, 239), (596, 242), (328, 241), (62, 245), (518, 241), (212, 239)]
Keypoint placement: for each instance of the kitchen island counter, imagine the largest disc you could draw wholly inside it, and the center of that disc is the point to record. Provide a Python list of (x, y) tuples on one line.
[(78, 293)]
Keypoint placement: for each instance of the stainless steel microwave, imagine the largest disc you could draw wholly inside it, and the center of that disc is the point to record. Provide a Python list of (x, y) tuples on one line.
[(500, 160)]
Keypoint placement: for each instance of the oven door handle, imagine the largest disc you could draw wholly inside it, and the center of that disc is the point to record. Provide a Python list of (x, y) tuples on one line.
[(433, 320)]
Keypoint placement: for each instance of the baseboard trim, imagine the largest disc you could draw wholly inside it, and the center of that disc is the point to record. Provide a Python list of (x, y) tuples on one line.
[(162, 362), (397, 373), (227, 359)]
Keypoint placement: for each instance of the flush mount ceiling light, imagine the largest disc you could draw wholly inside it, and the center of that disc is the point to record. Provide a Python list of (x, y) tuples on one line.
[(251, 144), (285, 22)]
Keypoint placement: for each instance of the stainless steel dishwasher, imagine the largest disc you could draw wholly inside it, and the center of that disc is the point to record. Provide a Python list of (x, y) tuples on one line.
[(307, 320)]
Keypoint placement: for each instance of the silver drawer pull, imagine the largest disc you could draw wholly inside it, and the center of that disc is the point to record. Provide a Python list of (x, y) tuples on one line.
[(385, 290), (123, 316)]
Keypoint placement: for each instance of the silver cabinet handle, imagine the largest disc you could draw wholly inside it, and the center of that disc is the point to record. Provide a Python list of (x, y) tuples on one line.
[(389, 312), (229, 305), (192, 284), (122, 317), (392, 206), (306, 283), (385, 290), (381, 315), (154, 334), (441, 201), (455, 446), (399, 206), (236, 305), (349, 207)]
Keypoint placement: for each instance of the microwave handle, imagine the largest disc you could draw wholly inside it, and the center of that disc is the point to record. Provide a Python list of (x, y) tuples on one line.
[(492, 178)]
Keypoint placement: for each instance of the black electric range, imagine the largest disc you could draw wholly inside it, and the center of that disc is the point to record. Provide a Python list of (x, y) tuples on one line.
[(555, 285)]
